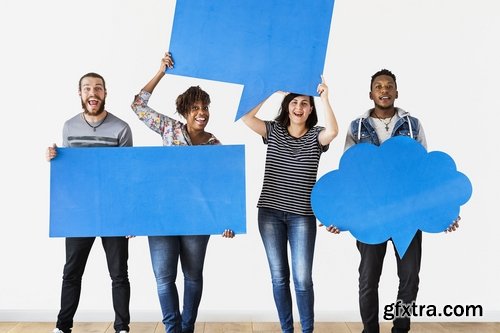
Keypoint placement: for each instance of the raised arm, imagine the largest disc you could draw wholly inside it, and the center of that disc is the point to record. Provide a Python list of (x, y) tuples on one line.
[(331, 127), (255, 124), (153, 119), (166, 62)]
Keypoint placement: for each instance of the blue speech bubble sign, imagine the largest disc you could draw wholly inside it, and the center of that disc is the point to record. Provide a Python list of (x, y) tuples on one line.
[(147, 191), (264, 45), (391, 191)]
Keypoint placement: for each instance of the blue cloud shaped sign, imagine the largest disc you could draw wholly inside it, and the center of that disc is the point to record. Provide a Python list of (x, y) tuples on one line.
[(390, 192), (264, 45)]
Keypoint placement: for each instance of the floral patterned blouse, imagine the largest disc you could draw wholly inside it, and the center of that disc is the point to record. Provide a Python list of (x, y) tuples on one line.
[(173, 132)]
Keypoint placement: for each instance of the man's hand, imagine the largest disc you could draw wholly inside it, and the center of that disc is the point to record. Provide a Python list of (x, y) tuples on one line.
[(51, 152), (453, 226)]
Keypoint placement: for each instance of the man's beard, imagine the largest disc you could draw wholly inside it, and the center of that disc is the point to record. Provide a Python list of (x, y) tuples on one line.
[(95, 113)]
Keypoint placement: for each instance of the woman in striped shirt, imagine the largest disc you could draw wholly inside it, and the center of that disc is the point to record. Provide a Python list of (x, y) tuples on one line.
[(285, 215)]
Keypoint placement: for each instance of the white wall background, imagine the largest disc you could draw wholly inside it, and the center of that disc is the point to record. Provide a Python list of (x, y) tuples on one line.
[(444, 52)]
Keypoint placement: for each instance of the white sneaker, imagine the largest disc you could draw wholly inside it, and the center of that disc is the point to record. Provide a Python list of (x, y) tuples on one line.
[(123, 331), (56, 330)]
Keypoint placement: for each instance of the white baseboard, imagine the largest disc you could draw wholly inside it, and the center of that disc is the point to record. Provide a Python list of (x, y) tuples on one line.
[(216, 316)]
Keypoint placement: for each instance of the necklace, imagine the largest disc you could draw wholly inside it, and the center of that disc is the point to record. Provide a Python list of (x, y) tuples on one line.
[(383, 122), (95, 127)]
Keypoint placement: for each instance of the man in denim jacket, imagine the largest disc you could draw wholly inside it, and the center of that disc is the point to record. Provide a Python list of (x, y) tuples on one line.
[(378, 124), (384, 120)]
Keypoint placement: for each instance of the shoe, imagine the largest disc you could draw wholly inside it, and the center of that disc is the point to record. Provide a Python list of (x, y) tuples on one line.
[(122, 331), (56, 330)]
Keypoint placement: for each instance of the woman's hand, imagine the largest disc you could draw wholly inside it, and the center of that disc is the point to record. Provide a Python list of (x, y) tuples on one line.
[(166, 62), (322, 88), (228, 233)]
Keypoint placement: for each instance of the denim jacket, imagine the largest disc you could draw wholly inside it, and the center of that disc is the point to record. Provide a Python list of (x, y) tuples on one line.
[(362, 131)]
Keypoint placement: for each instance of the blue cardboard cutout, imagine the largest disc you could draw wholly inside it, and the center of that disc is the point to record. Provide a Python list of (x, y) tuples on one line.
[(147, 191), (391, 191), (264, 45)]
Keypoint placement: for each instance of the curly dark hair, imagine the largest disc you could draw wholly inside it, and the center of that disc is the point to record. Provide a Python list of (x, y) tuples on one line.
[(284, 119), (185, 100), (383, 72)]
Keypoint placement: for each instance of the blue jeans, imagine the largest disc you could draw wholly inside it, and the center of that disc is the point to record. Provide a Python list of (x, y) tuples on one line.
[(165, 253), (370, 269), (77, 253), (278, 229)]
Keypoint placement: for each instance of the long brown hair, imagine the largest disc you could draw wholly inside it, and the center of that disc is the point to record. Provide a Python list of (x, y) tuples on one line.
[(283, 117)]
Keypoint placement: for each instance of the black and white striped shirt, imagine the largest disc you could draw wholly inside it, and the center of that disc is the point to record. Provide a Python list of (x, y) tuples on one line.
[(291, 169)]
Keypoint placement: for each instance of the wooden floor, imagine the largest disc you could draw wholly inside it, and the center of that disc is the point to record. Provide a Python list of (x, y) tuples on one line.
[(104, 327)]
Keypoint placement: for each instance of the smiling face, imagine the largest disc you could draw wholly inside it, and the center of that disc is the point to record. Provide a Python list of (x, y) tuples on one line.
[(299, 109), (197, 116), (384, 92), (93, 95)]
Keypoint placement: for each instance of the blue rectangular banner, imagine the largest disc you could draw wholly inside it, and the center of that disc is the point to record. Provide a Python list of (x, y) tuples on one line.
[(147, 191)]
